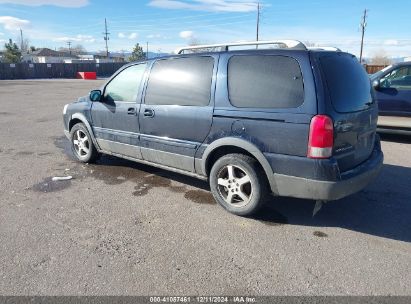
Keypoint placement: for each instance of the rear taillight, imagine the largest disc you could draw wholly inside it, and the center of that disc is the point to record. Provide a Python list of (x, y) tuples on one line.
[(321, 138)]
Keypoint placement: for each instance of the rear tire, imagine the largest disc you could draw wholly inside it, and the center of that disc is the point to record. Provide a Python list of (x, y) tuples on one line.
[(82, 144), (239, 184)]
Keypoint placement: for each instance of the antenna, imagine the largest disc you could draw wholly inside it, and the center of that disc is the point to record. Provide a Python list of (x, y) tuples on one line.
[(106, 36), (363, 25)]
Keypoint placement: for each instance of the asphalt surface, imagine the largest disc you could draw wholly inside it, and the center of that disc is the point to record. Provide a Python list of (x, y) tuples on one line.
[(120, 228)]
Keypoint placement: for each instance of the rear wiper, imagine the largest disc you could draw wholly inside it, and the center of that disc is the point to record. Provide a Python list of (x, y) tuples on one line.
[(369, 103)]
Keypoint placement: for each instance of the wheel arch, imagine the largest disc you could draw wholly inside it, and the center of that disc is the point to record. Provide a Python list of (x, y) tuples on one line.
[(230, 145), (80, 118)]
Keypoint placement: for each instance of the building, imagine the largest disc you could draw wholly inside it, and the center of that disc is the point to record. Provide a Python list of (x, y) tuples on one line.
[(98, 59), (46, 55)]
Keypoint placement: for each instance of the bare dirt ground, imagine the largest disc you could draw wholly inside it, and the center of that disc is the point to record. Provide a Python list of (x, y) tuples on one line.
[(120, 228)]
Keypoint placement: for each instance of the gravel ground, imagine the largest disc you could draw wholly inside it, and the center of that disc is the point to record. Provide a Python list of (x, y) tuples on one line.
[(121, 228)]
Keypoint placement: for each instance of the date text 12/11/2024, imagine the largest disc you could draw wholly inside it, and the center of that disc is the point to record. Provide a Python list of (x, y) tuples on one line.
[(203, 299)]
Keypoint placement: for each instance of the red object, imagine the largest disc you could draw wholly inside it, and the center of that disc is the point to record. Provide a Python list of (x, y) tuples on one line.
[(321, 139), (86, 75)]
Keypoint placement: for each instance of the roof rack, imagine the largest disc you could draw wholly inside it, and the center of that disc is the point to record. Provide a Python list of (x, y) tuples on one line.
[(292, 44), (324, 48)]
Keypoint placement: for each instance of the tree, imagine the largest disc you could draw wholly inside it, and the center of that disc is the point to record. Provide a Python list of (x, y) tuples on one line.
[(196, 42), (309, 44), (137, 54), (75, 50), (24, 45), (12, 53), (79, 50), (32, 49), (381, 58)]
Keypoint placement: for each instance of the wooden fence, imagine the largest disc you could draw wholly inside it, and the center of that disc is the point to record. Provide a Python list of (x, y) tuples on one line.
[(373, 68), (55, 70)]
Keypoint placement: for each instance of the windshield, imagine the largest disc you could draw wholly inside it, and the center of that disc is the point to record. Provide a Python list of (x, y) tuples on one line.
[(348, 84)]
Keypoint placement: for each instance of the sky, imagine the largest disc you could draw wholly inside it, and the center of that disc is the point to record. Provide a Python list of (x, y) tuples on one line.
[(168, 24)]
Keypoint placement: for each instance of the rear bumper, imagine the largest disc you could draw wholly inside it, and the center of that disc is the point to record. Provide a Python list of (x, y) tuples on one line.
[(350, 182)]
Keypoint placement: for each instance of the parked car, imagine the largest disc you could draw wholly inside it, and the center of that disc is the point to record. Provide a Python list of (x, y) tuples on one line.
[(287, 121), (393, 93)]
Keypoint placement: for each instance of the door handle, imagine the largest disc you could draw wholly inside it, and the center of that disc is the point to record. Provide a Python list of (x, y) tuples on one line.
[(149, 113), (131, 111)]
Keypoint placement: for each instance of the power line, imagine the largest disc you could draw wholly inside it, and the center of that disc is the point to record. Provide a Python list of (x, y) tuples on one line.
[(106, 36), (363, 25)]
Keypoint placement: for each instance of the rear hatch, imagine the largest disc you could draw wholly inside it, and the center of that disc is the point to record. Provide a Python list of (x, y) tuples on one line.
[(350, 103)]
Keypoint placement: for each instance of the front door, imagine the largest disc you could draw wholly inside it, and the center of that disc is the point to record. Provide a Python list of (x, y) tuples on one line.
[(115, 117), (394, 98), (177, 112)]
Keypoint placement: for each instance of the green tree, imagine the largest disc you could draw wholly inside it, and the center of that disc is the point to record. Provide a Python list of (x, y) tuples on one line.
[(12, 53), (137, 54)]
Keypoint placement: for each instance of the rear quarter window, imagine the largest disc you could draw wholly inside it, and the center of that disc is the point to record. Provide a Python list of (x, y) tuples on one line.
[(348, 84), (265, 81)]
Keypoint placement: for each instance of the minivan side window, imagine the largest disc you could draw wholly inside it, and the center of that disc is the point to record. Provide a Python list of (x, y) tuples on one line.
[(180, 81), (265, 81), (124, 87)]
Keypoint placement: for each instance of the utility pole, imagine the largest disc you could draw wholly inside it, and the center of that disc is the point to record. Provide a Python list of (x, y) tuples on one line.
[(69, 46), (258, 22), (363, 25), (147, 50), (106, 36), (21, 40)]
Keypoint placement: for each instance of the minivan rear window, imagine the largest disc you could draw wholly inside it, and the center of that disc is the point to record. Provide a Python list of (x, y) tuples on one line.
[(348, 84)]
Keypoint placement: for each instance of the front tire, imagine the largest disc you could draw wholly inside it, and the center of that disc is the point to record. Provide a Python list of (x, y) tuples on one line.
[(238, 184), (82, 144)]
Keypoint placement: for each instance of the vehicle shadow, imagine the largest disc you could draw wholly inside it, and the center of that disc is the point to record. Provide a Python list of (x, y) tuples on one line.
[(396, 137), (382, 209), (113, 161)]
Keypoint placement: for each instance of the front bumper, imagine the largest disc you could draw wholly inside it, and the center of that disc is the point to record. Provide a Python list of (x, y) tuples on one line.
[(351, 181)]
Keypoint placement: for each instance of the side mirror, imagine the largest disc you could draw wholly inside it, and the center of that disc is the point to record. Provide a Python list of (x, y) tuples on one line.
[(95, 95), (376, 84)]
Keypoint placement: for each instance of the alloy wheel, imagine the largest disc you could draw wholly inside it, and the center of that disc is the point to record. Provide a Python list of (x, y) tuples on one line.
[(234, 185)]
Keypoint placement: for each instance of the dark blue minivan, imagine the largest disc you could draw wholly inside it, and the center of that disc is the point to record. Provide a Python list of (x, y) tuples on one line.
[(393, 94), (287, 121)]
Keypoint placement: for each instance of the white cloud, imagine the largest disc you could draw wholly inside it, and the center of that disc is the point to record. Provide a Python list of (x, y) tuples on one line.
[(62, 3), (186, 34), (391, 42), (207, 5), (130, 36), (78, 38), (13, 23), (155, 36)]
